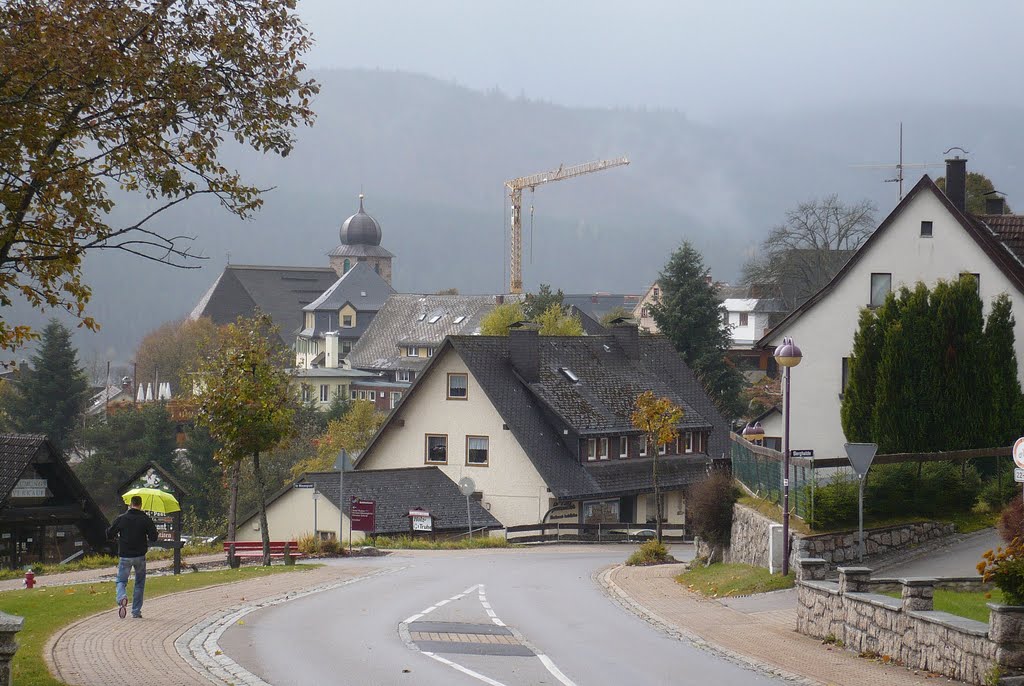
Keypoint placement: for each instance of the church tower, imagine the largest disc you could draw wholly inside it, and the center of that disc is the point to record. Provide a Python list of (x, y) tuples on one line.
[(360, 242)]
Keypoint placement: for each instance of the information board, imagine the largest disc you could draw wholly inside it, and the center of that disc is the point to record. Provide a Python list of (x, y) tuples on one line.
[(363, 514)]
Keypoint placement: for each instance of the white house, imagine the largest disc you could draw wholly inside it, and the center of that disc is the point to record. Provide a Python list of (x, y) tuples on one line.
[(927, 237), (542, 425)]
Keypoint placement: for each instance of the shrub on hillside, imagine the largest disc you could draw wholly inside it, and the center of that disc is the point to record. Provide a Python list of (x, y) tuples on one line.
[(650, 553), (709, 508), (1011, 521), (835, 503), (999, 488)]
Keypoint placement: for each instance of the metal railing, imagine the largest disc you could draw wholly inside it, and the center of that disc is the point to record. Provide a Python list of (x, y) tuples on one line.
[(608, 532)]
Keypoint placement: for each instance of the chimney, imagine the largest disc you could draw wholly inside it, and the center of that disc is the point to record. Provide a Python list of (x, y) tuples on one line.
[(956, 183), (523, 351), (331, 350), (499, 300), (994, 204), (627, 335)]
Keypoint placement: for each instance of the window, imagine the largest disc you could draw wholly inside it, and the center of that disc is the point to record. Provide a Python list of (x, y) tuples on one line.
[(458, 320), (430, 352), (657, 293), (977, 280), (743, 318), (644, 312), (372, 395), (926, 229), (624, 446), (346, 347), (307, 393), (844, 376), (346, 265), (458, 386), (412, 351), (643, 446), (437, 449), (434, 319), (881, 285), (591, 448), (346, 321), (568, 373), (362, 395), (662, 449), (602, 453), (395, 397), (403, 375), (477, 448), (688, 442), (353, 395), (325, 393)]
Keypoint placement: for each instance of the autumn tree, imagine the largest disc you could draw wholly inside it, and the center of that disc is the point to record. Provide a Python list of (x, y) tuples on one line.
[(617, 312), (555, 321), (658, 419), (690, 314), (498, 321), (538, 303), (48, 395), (246, 404), (172, 351), (979, 188), (801, 255), (352, 432), (100, 98)]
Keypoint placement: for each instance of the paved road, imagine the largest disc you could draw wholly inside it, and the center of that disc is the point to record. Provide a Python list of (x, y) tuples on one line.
[(958, 559), (485, 617)]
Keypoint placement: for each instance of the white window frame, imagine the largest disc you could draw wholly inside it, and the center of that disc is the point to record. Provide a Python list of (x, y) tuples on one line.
[(602, 451), (430, 352), (591, 449), (413, 351), (362, 395), (403, 375), (452, 375), (371, 396), (744, 319), (688, 442), (307, 393), (871, 289), (353, 394), (325, 393), (663, 449), (623, 446), (395, 397), (347, 321), (643, 446)]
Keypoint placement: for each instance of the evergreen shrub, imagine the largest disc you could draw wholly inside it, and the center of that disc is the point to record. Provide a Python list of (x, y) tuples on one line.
[(835, 503)]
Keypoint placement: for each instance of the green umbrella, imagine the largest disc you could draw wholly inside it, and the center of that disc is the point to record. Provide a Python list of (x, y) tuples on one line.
[(153, 500)]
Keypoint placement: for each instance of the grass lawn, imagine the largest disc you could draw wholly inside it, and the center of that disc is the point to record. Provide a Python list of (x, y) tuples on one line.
[(418, 543), (720, 580), (969, 604), (48, 609), (101, 561)]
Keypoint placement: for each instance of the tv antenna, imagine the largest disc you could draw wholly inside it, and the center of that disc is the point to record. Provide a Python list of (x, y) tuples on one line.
[(899, 167)]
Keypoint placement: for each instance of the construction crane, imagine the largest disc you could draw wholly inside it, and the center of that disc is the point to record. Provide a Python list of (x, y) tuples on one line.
[(515, 191)]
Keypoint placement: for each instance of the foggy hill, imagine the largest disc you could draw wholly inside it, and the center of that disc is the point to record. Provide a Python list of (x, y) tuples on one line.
[(432, 157)]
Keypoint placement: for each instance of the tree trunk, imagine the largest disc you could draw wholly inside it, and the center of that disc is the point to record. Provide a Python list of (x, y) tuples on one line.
[(261, 497), (657, 491), (233, 473)]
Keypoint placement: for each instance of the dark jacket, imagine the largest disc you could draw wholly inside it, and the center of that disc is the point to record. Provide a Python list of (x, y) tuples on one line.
[(132, 528)]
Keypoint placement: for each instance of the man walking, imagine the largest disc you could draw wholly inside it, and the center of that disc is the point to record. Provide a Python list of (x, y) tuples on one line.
[(134, 531)]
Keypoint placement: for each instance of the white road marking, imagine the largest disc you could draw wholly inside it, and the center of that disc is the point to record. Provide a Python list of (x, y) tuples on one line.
[(403, 629)]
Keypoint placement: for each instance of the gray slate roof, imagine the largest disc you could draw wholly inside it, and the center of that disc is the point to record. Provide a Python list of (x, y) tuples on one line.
[(597, 305), (591, 326), (280, 292), (396, 491), (361, 286), (16, 452), (538, 426), (406, 319)]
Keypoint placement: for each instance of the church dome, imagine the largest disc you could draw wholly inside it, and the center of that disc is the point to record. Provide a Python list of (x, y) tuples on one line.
[(360, 228)]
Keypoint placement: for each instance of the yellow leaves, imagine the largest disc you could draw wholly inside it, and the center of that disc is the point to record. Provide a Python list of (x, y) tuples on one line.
[(657, 417)]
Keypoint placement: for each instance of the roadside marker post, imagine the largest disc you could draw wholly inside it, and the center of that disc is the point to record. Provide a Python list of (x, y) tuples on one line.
[(861, 455)]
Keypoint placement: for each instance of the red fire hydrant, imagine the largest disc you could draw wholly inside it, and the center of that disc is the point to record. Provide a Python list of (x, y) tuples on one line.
[(30, 579)]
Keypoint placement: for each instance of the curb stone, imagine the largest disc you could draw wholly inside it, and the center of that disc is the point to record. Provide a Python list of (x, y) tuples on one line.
[(620, 597), (199, 645)]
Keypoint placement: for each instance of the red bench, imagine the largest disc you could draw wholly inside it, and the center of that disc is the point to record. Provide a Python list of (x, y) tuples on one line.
[(255, 549)]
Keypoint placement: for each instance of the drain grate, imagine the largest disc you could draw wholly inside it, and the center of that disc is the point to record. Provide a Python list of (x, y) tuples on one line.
[(465, 638)]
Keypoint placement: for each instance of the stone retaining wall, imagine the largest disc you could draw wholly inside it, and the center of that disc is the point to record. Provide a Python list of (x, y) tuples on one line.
[(749, 537), (907, 629), (840, 548)]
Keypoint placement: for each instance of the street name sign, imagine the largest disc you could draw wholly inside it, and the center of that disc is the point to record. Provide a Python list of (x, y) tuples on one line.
[(801, 453), (304, 485)]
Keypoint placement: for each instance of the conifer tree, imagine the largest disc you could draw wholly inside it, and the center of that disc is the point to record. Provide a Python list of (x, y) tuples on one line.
[(49, 396), (1005, 414)]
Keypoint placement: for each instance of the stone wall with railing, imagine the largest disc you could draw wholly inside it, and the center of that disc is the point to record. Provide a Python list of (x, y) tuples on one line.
[(908, 630), (9, 626)]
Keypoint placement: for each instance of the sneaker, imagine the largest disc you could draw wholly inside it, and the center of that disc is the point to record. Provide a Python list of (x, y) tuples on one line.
[(137, 616), (122, 609)]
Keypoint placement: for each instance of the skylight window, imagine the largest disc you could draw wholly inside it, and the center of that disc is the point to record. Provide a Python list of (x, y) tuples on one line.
[(433, 320), (422, 317), (569, 374), (459, 319)]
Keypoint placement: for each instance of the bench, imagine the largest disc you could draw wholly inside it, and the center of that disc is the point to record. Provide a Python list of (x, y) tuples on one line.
[(255, 549)]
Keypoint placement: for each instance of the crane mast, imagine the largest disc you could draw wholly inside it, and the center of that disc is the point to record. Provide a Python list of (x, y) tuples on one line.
[(515, 191)]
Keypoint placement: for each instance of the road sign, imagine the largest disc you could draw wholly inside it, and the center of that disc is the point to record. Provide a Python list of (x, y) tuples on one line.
[(1018, 474), (421, 520), (304, 485), (861, 455), (467, 486), (1018, 452), (363, 514), (801, 453)]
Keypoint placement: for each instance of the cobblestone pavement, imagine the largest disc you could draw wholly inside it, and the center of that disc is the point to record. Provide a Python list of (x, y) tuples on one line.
[(106, 573), (766, 639), (105, 650)]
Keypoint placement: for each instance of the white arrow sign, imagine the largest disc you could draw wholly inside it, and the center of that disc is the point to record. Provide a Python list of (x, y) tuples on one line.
[(861, 455)]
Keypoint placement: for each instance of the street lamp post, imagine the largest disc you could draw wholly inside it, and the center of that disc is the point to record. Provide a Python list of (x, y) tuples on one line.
[(754, 433), (316, 497), (788, 356)]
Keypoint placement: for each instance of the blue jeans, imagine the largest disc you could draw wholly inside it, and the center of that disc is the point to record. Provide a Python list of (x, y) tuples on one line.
[(124, 567)]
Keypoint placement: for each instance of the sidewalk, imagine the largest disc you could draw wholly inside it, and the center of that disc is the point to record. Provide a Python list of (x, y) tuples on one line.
[(104, 650), (107, 573), (762, 634)]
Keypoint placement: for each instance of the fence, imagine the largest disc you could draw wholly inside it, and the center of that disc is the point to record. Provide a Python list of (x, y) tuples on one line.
[(610, 532), (759, 469)]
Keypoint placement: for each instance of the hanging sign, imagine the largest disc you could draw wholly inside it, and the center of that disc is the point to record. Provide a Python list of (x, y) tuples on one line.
[(421, 520)]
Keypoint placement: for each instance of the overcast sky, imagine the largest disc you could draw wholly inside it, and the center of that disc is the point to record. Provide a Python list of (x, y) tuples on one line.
[(708, 59)]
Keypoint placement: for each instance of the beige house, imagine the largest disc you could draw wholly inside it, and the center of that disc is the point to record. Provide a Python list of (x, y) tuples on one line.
[(311, 504), (542, 425)]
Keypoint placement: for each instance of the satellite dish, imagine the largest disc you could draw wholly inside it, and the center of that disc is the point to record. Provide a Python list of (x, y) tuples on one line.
[(467, 486)]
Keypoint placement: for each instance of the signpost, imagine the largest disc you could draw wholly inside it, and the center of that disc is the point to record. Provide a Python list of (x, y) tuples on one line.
[(420, 520), (363, 516), (342, 464), (861, 455), (467, 486)]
